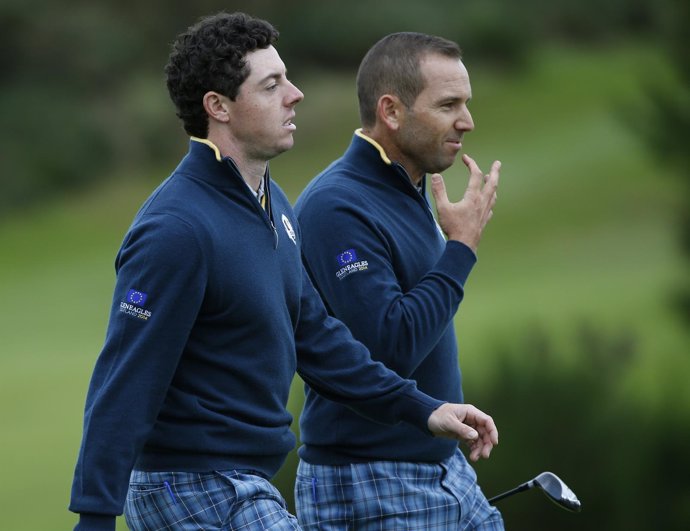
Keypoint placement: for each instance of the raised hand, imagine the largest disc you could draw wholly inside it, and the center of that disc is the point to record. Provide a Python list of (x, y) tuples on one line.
[(465, 220)]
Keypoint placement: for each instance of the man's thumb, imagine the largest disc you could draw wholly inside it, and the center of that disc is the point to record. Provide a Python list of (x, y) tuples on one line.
[(467, 433)]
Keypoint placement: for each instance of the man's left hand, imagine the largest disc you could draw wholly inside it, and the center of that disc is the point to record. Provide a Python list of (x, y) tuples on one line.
[(465, 423)]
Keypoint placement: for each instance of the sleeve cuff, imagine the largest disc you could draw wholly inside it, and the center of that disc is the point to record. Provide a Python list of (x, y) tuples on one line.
[(418, 410), (457, 261)]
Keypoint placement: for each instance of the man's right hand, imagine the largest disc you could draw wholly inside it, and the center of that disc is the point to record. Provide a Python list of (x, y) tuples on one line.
[(465, 220)]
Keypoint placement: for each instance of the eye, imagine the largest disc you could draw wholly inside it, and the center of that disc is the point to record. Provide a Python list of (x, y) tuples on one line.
[(272, 87)]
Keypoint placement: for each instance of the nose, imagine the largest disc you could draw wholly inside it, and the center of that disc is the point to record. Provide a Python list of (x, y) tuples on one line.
[(295, 95), (465, 122)]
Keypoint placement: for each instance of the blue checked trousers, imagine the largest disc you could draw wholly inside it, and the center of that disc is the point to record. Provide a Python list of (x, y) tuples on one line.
[(228, 501), (390, 495)]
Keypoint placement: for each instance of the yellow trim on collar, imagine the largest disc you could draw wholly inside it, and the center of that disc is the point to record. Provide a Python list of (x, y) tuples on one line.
[(374, 143), (209, 144)]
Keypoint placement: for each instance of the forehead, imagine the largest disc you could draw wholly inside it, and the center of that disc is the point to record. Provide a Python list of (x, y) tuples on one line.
[(264, 62), (444, 76)]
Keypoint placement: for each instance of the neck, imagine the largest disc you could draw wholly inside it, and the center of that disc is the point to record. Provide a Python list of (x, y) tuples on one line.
[(252, 171), (393, 153)]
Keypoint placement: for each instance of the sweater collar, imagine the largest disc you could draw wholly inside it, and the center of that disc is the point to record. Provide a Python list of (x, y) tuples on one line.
[(205, 162), (370, 154), (209, 144), (379, 148)]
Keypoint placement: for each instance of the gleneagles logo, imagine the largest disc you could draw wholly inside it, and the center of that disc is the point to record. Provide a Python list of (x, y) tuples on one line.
[(134, 305), (348, 262)]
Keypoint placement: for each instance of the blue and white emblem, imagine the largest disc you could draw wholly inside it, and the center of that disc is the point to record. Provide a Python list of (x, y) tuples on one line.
[(133, 305), (346, 257), (349, 263), (136, 297)]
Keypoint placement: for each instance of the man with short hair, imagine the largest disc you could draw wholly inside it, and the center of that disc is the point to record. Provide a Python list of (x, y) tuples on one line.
[(186, 420), (382, 265)]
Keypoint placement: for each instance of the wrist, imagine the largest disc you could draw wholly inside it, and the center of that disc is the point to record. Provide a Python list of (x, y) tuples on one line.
[(472, 243)]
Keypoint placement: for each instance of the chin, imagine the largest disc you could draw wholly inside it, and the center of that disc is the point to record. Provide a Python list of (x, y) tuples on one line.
[(281, 149), (441, 167)]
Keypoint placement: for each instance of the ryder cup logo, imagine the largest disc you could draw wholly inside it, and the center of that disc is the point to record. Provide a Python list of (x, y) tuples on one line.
[(288, 228)]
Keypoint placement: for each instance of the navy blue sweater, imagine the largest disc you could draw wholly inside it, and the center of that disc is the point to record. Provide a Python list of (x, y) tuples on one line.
[(212, 314), (383, 267)]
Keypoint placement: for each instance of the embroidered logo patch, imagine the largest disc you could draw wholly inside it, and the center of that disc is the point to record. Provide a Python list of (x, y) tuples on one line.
[(346, 257), (136, 297), (288, 228), (134, 305), (348, 262)]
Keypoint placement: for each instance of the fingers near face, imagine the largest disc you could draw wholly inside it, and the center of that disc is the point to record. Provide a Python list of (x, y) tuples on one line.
[(471, 164)]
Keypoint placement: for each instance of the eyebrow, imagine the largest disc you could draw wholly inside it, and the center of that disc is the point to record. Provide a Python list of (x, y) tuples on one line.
[(275, 76), (453, 99)]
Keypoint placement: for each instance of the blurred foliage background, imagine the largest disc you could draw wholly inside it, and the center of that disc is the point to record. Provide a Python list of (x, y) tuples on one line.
[(574, 331)]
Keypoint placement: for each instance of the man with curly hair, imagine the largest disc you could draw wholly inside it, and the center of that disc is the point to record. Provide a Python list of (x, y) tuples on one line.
[(185, 420)]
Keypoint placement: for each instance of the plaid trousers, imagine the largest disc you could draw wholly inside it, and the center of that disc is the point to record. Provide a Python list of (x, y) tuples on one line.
[(227, 501), (392, 495)]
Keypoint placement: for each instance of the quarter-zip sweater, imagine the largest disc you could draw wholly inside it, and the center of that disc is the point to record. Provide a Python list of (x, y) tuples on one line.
[(382, 265), (212, 314)]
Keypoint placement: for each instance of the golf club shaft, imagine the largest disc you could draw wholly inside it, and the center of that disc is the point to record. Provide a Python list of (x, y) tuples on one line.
[(520, 488)]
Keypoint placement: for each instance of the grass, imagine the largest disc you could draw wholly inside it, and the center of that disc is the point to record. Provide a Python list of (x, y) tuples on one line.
[(583, 231)]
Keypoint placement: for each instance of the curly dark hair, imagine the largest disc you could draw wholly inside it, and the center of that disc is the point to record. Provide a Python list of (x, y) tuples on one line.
[(210, 55)]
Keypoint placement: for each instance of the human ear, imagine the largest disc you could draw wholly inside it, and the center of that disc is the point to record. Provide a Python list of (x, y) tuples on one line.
[(388, 110), (216, 106)]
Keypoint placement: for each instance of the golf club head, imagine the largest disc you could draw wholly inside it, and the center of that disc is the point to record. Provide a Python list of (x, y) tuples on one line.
[(557, 491)]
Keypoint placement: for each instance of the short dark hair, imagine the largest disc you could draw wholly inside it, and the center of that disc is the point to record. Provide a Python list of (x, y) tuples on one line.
[(391, 66), (210, 55)]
